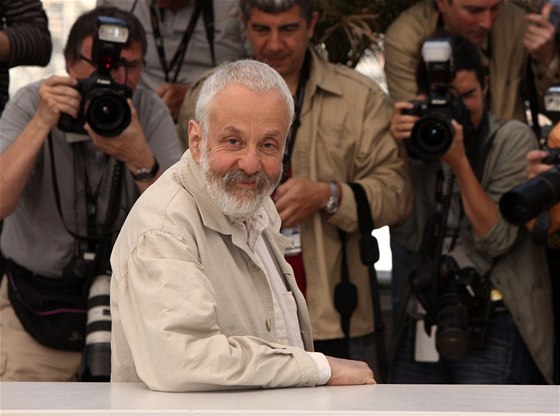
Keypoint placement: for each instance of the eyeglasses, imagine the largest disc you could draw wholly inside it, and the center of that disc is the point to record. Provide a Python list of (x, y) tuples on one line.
[(122, 62)]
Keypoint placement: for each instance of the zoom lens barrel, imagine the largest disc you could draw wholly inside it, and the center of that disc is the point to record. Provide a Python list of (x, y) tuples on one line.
[(528, 200)]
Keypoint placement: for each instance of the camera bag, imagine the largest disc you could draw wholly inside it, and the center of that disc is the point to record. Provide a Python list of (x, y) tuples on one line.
[(51, 310)]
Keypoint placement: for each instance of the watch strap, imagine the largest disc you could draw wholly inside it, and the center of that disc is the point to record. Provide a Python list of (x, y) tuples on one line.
[(332, 203), (146, 174)]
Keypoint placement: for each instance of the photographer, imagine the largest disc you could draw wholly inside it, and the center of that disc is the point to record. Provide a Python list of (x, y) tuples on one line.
[(479, 308), (65, 192), (519, 48), (546, 230)]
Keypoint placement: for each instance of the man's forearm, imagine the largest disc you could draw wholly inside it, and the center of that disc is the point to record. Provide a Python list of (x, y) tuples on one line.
[(16, 164), (4, 47)]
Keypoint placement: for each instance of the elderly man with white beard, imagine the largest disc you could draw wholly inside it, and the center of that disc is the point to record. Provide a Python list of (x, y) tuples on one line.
[(201, 296)]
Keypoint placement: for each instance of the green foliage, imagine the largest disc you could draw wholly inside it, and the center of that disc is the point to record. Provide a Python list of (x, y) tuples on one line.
[(347, 28)]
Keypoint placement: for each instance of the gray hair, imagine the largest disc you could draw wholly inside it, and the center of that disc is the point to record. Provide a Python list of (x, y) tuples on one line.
[(277, 6), (254, 75)]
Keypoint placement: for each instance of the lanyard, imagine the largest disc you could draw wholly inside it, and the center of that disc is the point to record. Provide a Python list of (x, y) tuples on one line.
[(92, 237), (178, 58), (298, 103)]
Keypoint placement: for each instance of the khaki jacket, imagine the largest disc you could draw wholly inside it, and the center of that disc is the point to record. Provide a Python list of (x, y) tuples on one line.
[(508, 64), (344, 136), (191, 308), (518, 268)]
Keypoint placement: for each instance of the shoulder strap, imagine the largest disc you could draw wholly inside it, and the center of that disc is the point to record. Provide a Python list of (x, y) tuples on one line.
[(485, 149), (209, 25), (369, 254), (533, 98)]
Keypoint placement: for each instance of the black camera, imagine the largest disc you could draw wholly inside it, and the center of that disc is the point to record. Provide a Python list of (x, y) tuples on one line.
[(104, 102), (433, 134), (528, 200), (458, 302)]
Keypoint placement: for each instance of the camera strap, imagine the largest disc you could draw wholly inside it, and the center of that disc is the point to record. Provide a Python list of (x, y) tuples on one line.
[(92, 238), (298, 104), (201, 6), (369, 255), (533, 99), (427, 271)]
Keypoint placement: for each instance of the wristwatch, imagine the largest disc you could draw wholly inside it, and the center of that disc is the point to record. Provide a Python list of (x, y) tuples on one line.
[(332, 202), (146, 174)]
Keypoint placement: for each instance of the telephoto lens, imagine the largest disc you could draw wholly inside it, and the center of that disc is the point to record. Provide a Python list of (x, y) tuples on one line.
[(528, 200), (96, 362)]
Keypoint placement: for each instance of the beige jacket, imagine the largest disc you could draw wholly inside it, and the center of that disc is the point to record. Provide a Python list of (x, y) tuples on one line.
[(191, 308), (508, 58), (344, 136)]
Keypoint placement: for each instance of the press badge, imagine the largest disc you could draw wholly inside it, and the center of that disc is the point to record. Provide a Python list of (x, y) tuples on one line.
[(294, 233), (425, 345)]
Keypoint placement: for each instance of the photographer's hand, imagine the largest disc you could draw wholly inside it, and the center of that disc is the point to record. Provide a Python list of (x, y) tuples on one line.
[(57, 95), (539, 37), (402, 124), (173, 96), (456, 155), (535, 167), (130, 146)]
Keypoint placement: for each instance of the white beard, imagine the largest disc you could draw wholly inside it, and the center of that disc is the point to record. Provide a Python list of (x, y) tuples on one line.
[(238, 204)]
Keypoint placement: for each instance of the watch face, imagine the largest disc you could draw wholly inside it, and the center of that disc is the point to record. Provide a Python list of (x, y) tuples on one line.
[(144, 175), (332, 206)]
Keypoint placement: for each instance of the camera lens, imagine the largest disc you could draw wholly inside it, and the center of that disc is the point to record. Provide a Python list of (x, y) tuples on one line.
[(431, 137), (96, 362), (452, 336), (529, 199), (108, 113)]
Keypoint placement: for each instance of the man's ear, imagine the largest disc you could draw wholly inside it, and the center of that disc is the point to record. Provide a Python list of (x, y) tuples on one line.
[(195, 139), (312, 24), (441, 5)]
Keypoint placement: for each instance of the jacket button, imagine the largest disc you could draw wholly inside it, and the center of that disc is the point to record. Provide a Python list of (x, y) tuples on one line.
[(269, 325), (254, 267)]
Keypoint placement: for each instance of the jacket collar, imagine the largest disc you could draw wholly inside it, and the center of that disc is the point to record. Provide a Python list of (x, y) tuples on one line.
[(323, 76), (191, 178)]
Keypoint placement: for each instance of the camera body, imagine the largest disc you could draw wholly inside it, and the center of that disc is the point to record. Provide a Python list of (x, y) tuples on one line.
[(433, 134), (459, 303), (104, 103)]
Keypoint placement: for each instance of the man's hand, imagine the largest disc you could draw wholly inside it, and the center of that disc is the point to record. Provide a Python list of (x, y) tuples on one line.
[(57, 95), (402, 124), (298, 198), (456, 152), (173, 96), (349, 372), (539, 37), (130, 146), (535, 166)]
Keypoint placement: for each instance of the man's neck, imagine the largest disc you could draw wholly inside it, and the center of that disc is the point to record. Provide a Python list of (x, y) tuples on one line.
[(293, 81), (174, 7)]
